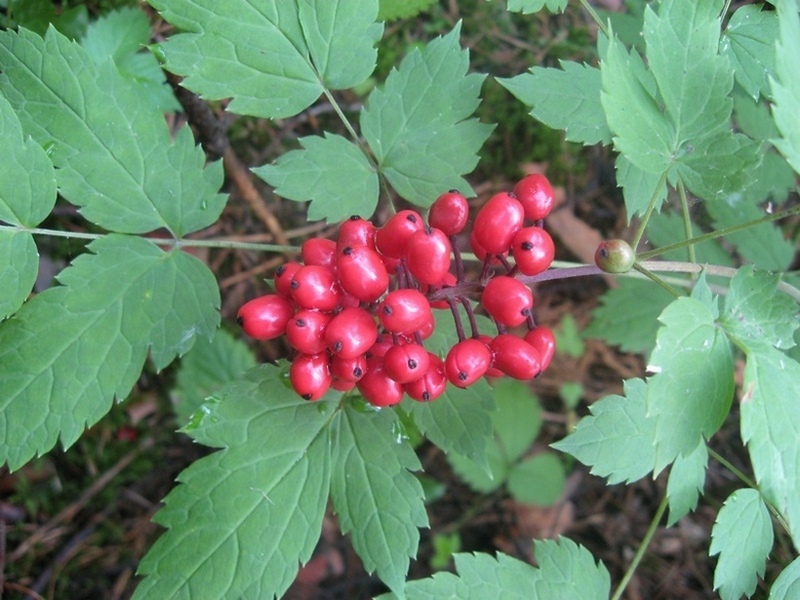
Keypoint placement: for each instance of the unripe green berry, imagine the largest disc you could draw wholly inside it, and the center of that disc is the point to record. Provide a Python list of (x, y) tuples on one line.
[(614, 256)]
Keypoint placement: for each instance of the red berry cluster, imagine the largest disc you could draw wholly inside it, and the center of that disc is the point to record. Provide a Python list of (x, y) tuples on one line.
[(356, 310)]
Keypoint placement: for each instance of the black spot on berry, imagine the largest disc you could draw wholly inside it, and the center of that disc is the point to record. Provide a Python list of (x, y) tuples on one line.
[(462, 376), (337, 346), (300, 322), (295, 284), (240, 321), (358, 372), (412, 364), (411, 218), (306, 396), (355, 218), (426, 395), (526, 246), (387, 310), (280, 270), (347, 251)]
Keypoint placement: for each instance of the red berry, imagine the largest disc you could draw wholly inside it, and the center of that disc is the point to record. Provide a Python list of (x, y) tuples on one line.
[(362, 273), (479, 251), (431, 385), (533, 250), (404, 311), (381, 346), (310, 375), (535, 194), (340, 385), (306, 331), (319, 251), (406, 362), (356, 231), (351, 333), (316, 287), (544, 341), (515, 357), (497, 221), (428, 255), (493, 371), (265, 317), (349, 369), (449, 213), (466, 362), (392, 238), (283, 278), (377, 387), (507, 300)]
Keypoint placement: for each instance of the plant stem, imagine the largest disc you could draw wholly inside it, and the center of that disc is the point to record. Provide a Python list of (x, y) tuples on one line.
[(637, 558), (656, 279), (650, 208), (592, 13), (687, 220)]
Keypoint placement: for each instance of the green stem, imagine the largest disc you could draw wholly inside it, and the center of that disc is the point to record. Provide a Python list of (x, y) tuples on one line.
[(650, 208), (592, 13), (641, 550), (687, 220), (656, 279)]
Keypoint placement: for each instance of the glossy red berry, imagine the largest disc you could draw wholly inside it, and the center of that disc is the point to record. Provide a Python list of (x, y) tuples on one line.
[(319, 251), (428, 255), (493, 371), (381, 346), (431, 385), (265, 317), (356, 231), (349, 369), (306, 331), (315, 287), (466, 362), (515, 357), (310, 375), (543, 339), (404, 311), (351, 333), (341, 385), (362, 273), (535, 194), (392, 238), (480, 252), (283, 278), (507, 300), (449, 212), (377, 387), (533, 250), (497, 221), (406, 362)]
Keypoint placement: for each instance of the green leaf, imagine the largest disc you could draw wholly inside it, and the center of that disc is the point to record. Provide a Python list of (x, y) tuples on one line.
[(206, 367), (527, 7), (537, 480), (19, 263), (568, 572), (617, 439), (568, 337), (742, 536), (244, 517), (518, 418), (71, 350), (770, 426), (113, 152), (665, 228), (482, 478), (418, 124), (566, 98), (391, 10), (686, 479), (638, 187), (624, 320), (275, 58), (691, 393), (36, 15), (375, 495), (749, 43), (755, 313), (786, 85), (787, 585), (331, 172)]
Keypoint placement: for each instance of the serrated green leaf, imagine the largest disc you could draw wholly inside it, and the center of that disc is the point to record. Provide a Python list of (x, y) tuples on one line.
[(71, 350), (742, 536), (113, 152), (527, 7), (274, 58), (686, 479), (569, 572), (787, 585), (391, 10), (627, 315), (749, 44), (36, 15), (566, 98), (482, 478), (638, 187), (770, 426), (756, 313), (19, 263), (331, 172), (786, 85), (753, 118), (568, 337), (244, 517), (537, 480), (418, 125), (376, 497), (205, 368), (518, 418), (773, 180), (617, 439)]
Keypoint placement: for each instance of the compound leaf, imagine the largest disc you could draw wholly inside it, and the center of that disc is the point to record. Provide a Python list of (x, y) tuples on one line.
[(686, 479), (749, 44), (418, 124), (786, 85), (71, 350), (537, 480), (787, 585), (770, 426), (531, 6), (691, 393), (566, 98), (375, 495), (331, 172), (742, 536), (273, 58), (19, 263), (617, 439), (569, 572), (518, 418), (243, 518), (114, 155), (638, 187)]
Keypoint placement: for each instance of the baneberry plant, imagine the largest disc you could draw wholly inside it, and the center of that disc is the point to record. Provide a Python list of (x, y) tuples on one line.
[(700, 104)]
